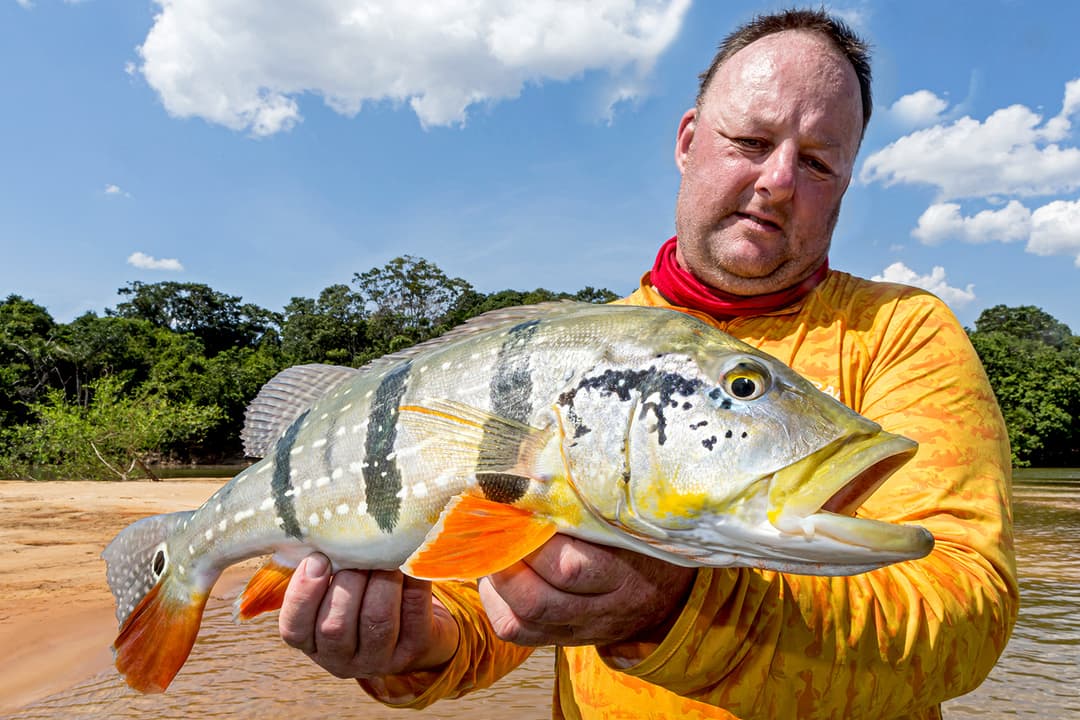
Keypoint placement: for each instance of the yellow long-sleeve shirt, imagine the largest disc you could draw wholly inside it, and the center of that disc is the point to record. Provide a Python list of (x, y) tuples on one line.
[(892, 643)]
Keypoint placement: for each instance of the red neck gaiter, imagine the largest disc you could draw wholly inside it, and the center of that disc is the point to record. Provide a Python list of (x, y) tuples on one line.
[(681, 288)]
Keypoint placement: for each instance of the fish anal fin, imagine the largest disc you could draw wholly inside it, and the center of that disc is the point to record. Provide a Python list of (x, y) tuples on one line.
[(157, 637), (264, 592), (475, 537)]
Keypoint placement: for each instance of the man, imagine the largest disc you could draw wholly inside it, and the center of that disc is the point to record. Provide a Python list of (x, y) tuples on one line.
[(766, 156)]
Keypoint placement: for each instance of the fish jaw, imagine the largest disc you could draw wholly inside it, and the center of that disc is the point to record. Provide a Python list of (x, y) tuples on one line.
[(799, 519), (816, 499)]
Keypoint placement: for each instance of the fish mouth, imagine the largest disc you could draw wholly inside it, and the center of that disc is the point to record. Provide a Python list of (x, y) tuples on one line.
[(804, 499)]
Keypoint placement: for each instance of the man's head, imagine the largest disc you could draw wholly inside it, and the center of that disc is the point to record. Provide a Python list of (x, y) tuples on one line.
[(846, 42), (768, 151)]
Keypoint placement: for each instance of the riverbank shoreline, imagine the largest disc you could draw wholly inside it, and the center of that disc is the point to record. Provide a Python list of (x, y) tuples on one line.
[(57, 620)]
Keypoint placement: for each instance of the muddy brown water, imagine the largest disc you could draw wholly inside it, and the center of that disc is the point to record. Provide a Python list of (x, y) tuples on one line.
[(248, 673)]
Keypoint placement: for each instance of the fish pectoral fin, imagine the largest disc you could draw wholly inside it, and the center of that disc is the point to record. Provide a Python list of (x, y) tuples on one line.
[(265, 590), (475, 537), (474, 440)]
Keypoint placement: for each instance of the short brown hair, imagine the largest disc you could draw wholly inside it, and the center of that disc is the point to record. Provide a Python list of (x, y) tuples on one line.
[(842, 37)]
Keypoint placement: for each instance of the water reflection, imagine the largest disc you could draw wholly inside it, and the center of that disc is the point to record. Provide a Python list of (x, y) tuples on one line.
[(248, 672), (1038, 676)]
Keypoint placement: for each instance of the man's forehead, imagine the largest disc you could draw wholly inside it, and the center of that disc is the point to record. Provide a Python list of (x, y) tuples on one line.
[(791, 69), (784, 52)]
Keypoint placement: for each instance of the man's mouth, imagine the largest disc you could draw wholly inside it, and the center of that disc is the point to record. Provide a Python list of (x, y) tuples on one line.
[(761, 222)]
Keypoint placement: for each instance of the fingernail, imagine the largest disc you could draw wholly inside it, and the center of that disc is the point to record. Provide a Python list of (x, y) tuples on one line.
[(316, 566)]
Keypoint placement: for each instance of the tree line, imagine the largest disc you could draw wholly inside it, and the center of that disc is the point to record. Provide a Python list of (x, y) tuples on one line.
[(165, 376)]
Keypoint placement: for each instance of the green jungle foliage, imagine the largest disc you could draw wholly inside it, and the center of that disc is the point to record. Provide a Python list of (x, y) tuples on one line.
[(165, 376), (1033, 362)]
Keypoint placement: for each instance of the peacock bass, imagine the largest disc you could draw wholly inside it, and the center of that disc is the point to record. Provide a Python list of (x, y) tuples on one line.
[(641, 428)]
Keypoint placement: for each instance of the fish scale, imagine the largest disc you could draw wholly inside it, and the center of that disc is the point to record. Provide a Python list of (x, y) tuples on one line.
[(639, 428)]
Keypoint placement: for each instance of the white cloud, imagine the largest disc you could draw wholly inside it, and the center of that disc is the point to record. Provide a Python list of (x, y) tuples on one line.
[(26, 4), (147, 262), (1055, 230), (116, 190), (918, 109), (1012, 152), (935, 283), (245, 65), (943, 221)]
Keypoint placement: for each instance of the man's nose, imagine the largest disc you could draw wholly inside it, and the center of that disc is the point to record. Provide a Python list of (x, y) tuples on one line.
[(778, 173)]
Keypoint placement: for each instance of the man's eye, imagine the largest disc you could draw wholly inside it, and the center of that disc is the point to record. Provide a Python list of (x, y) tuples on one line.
[(818, 166)]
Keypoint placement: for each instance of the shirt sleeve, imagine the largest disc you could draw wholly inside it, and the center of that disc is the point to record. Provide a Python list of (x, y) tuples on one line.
[(895, 641), (480, 660)]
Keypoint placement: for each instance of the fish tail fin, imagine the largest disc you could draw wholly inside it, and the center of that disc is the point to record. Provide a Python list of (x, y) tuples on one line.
[(159, 604), (265, 590)]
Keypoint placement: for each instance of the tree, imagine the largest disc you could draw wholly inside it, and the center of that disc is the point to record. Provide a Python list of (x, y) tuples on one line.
[(116, 435), (407, 301), (30, 357), (1026, 322), (1031, 360), (219, 321), (332, 329)]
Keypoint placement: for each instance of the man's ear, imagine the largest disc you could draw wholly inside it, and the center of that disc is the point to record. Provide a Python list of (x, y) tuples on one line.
[(684, 138)]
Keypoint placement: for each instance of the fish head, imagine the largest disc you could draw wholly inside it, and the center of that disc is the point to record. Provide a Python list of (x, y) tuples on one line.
[(727, 457)]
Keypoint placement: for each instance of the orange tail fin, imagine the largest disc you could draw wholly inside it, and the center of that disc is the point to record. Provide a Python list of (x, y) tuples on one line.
[(157, 637), (159, 606), (265, 590)]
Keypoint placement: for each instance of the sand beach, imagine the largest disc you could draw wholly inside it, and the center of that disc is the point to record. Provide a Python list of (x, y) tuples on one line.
[(56, 612)]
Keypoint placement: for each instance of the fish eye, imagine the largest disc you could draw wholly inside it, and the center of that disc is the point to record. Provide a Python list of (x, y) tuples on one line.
[(745, 381)]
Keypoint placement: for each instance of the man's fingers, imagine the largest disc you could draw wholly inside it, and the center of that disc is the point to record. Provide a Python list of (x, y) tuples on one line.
[(575, 566), (380, 619), (303, 597), (335, 626)]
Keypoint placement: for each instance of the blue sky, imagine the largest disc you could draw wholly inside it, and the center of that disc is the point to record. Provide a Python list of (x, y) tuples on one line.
[(271, 149)]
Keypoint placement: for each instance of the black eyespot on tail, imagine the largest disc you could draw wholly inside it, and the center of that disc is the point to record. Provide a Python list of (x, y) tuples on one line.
[(159, 563)]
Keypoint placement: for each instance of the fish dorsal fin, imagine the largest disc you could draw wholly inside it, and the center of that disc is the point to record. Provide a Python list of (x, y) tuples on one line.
[(491, 320), (285, 398)]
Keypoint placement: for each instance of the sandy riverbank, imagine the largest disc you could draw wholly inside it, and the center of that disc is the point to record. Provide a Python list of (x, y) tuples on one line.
[(56, 613)]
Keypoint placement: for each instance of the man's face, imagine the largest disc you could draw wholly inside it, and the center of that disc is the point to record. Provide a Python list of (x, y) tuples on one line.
[(765, 160)]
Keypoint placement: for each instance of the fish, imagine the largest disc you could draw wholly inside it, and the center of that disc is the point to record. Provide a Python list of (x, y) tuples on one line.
[(634, 427)]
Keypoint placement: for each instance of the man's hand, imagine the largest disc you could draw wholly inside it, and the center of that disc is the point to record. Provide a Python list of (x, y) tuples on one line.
[(571, 592), (365, 624)]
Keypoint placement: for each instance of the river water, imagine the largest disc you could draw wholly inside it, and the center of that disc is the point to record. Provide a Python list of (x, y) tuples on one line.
[(248, 673)]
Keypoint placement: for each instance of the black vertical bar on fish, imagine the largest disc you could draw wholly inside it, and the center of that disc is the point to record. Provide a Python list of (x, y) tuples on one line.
[(510, 394), (382, 477), (281, 484)]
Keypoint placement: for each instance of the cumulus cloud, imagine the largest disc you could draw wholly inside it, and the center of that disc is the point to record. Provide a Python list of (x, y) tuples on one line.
[(246, 65), (148, 262), (918, 109), (1055, 230), (116, 190), (1013, 152), (943, 221), (935, 282), (1052, 229)]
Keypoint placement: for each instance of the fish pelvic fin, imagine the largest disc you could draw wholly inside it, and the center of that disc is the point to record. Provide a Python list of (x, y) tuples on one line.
[(265, 591), (475, 537), (158, 605)]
